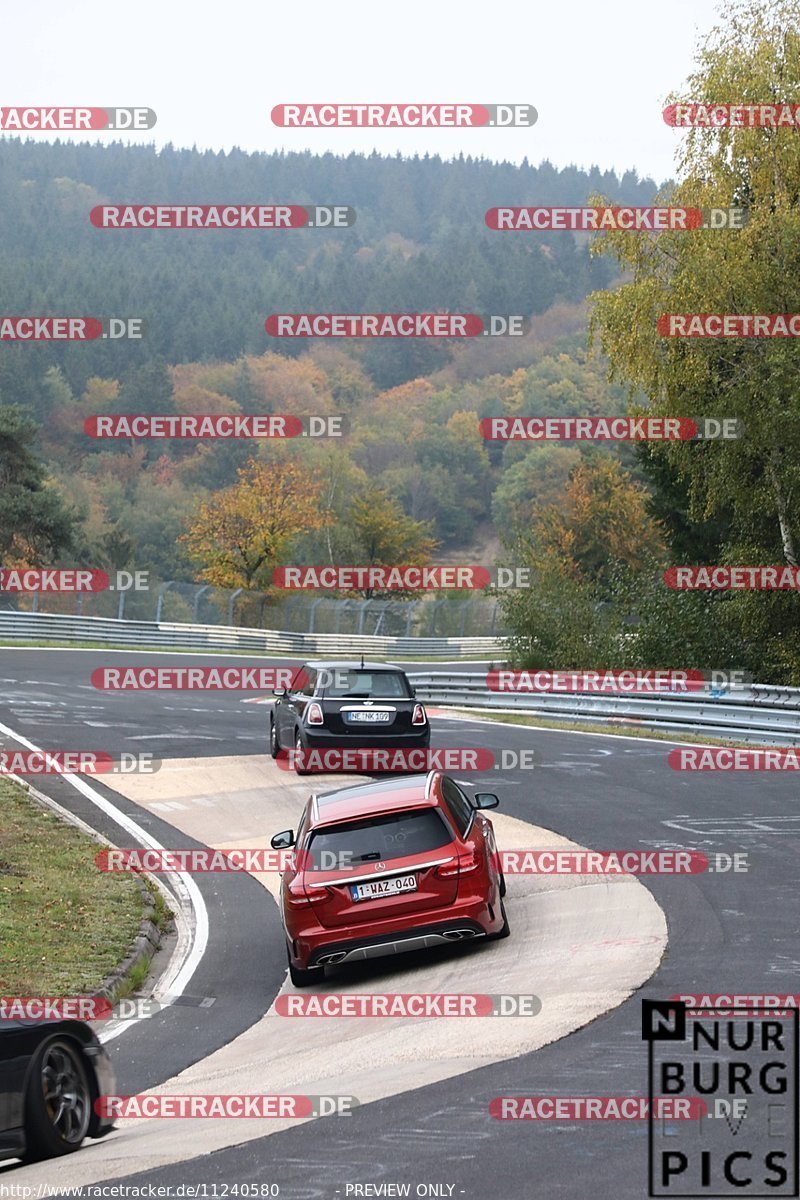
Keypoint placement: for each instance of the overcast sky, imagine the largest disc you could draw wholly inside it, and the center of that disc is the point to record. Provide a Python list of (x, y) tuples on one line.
[(597, 73)]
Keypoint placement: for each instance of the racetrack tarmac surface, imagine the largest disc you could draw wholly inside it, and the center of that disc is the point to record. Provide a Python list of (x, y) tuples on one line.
[(727, 933)]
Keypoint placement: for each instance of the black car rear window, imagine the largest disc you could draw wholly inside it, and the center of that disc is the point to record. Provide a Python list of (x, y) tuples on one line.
[(378, 839), (365, 685)]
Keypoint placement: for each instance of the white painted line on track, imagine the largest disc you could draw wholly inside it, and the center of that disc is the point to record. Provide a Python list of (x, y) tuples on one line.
[(193, 936)]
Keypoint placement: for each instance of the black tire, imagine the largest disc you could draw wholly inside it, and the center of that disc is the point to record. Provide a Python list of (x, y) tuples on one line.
[(274, 748), (506, 929), (301, 978), (502, 884), (58, 1101), (299, 749)]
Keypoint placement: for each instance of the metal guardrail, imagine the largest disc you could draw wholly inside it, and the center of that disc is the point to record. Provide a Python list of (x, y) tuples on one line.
[(759, 713), (170, 634)]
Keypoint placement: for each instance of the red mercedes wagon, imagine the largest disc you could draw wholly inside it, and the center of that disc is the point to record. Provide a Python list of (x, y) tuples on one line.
[(387, 867)]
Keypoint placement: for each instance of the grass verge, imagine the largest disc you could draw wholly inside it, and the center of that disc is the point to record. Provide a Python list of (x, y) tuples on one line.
[(64, 925)]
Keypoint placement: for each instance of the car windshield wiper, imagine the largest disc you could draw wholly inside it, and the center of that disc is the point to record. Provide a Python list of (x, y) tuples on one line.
[(373, 854)]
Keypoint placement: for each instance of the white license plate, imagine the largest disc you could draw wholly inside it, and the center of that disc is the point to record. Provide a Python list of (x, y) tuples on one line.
[(384, 887), (372, 718)]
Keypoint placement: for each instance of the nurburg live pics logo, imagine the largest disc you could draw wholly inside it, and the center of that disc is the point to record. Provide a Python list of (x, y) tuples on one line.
[(743, 1062)]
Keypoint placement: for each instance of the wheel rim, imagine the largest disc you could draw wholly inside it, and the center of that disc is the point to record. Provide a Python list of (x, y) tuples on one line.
[(66, 1094), (273, 740)]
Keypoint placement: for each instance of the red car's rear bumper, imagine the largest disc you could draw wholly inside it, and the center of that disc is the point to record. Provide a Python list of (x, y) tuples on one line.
[(474, 916)]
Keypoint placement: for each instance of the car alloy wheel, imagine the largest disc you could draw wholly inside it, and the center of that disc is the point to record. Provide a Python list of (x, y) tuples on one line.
[(58, 1101), (299, 752)]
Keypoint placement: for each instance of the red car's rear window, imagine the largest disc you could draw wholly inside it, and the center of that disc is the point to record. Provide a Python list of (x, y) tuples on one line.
[(378, 839)]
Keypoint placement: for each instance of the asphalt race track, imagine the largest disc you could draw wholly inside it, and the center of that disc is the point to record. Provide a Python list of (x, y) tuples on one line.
[(733, 933)]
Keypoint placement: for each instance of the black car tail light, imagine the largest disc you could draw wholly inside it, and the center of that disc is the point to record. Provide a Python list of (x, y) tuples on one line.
[(419, 717), (314, 715)]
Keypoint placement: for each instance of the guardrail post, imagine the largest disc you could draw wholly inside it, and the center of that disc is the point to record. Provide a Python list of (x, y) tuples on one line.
[(311, 612), (121, 605)]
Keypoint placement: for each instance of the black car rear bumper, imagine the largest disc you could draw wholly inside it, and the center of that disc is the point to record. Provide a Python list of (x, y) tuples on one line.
[(322, 739)]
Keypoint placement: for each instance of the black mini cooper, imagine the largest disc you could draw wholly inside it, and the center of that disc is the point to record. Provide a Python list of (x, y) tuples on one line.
[(344, 706)]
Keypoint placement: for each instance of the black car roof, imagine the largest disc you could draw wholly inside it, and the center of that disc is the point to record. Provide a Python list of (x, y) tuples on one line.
[(346, 665)]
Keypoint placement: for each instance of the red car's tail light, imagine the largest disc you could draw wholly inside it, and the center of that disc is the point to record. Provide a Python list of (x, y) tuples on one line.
[(419, 717), (462, 865), (297, 897), (314, 715)]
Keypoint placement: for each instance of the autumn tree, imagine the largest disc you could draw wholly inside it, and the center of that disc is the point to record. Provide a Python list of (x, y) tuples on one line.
[(577, 549), (379, 533), (35, 524), (601, 522), (243, 532), (753, 483)]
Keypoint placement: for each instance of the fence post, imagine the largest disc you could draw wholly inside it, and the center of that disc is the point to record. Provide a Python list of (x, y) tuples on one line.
[(464, 608), (196, 602), (231, 600), (311, 612), (412, 606), (362, 613), (160, 602)]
